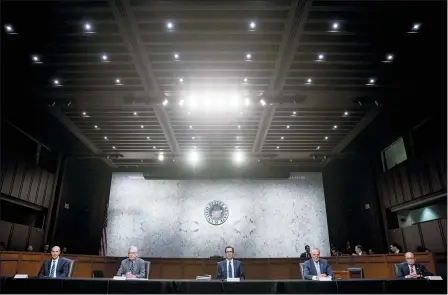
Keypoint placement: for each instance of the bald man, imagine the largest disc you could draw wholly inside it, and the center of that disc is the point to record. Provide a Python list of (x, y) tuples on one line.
[(132, 267), (410, 269), (56, 267)]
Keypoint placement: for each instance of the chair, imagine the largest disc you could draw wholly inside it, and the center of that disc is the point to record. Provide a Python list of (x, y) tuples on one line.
[(97, 274), (301, 270), (70, 267), (396, 269), (148, 267), (355, 272)]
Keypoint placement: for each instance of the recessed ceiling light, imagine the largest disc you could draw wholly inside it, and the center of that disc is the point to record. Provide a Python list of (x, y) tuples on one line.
[(104, 57), (245, 80), (239, 126), (165, 102), (160, 157), (416, 27), (96, 126), (371, 81), (105, 137), (390, 57), (290, 160), (278, 147), (84, 113), (191, 127), (237, 147), (118, 81), (320, 57), (176, 56), (181, 102), (237, 137), (326, 137), (9, 29), (36, 59), (252, 25), (193, 157), (309, 81), (282, 138), (135, 113), (141, 126), (169, 25), (148, 138), (345, 113), (262, 102), (258, 160), (294, 112), (153, 147), (335, 26), (56, 82), (287, 126), (248, 56), (88, 28), (192, 137), (335, 127), (113, 147), (318, 148), (181, 80)]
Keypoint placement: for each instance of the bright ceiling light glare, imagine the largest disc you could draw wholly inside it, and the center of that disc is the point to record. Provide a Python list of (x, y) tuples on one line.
[(104, 57), (191, 127), (309, 81), (192, 137), (371, 81), (57, 83), (388, 58), (105, 137), (335, 26), (165, 102), (141, 126), (247, 101), (114, 147), (84, 113), (176, 56), (320, 57), (345, 113), (263, 103), (88, 28), (181, 80), (135, 113), (248, 56), (118, 82), (96, 126), (181, 102), (326, 137), (238, 157), (239, 126), (278, 147), (245, 80), (318, 148), (148, 138), (35, 58), (160, 157), (193, 158), (281, 138), (153, 147), (335, 127), (294, 113), (415, 28), (9, 29), (287, 126), (252, 26), (170, 26)]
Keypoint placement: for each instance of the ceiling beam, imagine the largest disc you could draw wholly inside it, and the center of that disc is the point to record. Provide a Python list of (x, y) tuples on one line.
[(292, 34), (129, 30), (362, 124), (67, 123), (263, 128)]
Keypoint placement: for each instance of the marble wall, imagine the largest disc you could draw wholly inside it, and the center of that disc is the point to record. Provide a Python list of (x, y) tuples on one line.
[(267, 218)]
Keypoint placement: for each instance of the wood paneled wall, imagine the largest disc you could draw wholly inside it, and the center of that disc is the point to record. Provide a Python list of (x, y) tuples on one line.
[(374, 266), (414, 179), (19, 236)]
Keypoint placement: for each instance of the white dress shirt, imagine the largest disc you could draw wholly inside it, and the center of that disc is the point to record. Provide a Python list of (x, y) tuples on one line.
[(55, 266), (411, 270), (233, 268), (317, 266)]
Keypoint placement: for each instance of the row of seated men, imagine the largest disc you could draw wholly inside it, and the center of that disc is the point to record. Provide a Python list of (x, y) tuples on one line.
[(315, 268)]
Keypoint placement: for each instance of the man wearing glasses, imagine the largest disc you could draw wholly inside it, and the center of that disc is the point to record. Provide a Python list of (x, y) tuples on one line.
[(230, 268), (410, 269), (132, 267)]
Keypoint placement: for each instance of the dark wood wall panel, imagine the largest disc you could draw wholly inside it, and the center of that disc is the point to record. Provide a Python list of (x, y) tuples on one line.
[(412, 237), (19, 237), (18, 180), (434, 174), (36, 238), (396, 236), (36, 181), (26, 186), (403, 174), (9, 176), (5, 231), (39, 189), (397, 185), (432, 236), (391, 188), (414, 181), (443, 224), (48, 190), (423, 174), (382, 189)]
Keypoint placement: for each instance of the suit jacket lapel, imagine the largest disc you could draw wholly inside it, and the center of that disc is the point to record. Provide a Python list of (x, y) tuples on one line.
[(225, 269)]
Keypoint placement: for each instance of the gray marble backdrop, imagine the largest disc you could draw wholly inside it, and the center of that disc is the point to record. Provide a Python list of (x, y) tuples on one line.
[(165, 218)]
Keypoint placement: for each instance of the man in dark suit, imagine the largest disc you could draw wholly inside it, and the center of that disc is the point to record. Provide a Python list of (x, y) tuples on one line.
[(229, 268), (410, 269), (316, 268), (56, 267), (307, 253), (132, 267)]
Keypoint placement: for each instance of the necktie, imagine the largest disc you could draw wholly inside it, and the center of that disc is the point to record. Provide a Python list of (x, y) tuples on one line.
[(132, 267), (230, 271), (53, 268), (412, 269), (317, 268)]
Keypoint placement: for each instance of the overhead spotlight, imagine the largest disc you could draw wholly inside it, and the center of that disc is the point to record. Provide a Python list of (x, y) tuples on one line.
[(238, 157), (176, 56), (181, 80), (193, 157), (263, 103), (245, 80), (237, 147), (113, 147), (318, 148), (248, 56), (294, 113), (36, 59), (192, 137), (118, 82), (290, 160), (309, 81), (390, 57), (416, 27), (239, 126), (335, 26), (326, 137), (181, 102), (104, 57), (141, 126), (237, 137), (165, 102), (105, 137), (320, 57), (160, 157), (88, 28), (84, 113), (135, 113), (281, 138), (96, 126), (191, 127), (247, 101), (169, 25), (9, 29), (371, 81), (153, 147), (287, 126), (252, 25), (57, 83), (345, 113), (148, 137), (278, 147), (335, 127)]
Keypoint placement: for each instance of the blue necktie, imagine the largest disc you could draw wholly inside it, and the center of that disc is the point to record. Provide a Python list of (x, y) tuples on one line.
[(230, 271), (53, 268)]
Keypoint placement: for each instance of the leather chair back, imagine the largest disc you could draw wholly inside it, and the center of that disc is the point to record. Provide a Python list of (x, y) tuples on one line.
[(356, 272), (396, 269), (301, 270), (148, 268), (97, 274), (70, 267)]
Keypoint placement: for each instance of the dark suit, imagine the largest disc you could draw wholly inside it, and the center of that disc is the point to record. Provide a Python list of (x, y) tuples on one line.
[(62, 268), (139, 268), (403, 270), (309, 270), (238, 272), (305, 255)]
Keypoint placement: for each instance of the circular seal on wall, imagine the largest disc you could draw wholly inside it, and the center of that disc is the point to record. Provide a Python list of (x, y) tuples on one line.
[(216, 212)]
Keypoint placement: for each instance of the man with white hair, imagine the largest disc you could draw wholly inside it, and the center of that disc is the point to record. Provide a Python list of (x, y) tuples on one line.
[(316, 268), (132, 267), (56, 267), (410, 269)]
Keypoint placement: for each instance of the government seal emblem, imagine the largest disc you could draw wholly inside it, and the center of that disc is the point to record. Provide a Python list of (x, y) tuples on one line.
[(216, 212)]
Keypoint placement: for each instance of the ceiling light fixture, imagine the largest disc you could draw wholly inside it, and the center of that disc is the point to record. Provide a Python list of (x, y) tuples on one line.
[(135, 113), (176, 56), (9, 29), (238, 157), (181, 102), (169, 25), (153, 147), (84, 113), (309, 81), (294, 113), (104, 57), (193, 157), (320, 57), (245, 80), (191, 127), (118, 82), (247, 101), (57, 83), (141, 126), (148, 138), (160, 157), (239, 126), (165, 102), (96, 126), (335, 127), (252, 25), (36, 59), (192, 137), (88, 28), (371, 81), (263, 103), (345, 113), (388, 58), (335, 26), (326, 137), (318, 148), (282, 138), (181, 80), (105, 137), (415, 27), (278, 147), (287, 126), (248, 56)]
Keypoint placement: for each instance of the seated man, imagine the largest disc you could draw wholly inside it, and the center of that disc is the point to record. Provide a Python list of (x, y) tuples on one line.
[(307, 253), (316, 268), (132, 267), (411, 270), (56, 267), (229, 268)]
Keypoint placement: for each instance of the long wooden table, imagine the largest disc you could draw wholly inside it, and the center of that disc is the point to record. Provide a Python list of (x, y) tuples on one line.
[(374, 266)]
